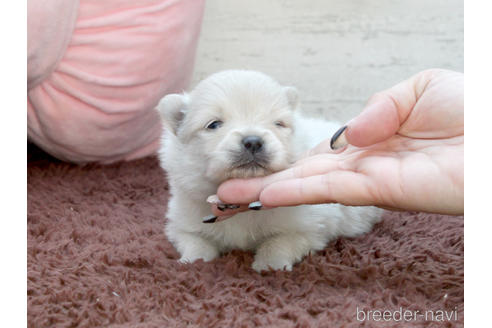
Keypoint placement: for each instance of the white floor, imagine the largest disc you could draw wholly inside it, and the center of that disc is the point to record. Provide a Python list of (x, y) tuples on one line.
[(336, 52)]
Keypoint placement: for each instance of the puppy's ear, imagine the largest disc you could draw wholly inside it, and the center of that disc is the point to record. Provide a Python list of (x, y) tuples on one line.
[(172, 109), (292, 97)]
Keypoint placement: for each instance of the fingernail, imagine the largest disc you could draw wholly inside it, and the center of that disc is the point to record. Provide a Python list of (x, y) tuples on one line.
[(209, 219), (213, 199), (338, 140), (223, 207), (256, 206)]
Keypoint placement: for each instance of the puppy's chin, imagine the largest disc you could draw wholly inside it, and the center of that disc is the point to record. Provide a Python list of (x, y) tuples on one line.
[(220, 171), (249, 171), (226, 173), (221, 166)]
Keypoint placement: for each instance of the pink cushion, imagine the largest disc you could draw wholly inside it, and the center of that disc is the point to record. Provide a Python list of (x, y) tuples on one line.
[(97, 68)]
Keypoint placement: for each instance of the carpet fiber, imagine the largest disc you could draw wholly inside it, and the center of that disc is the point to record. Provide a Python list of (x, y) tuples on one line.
[(97, 256)]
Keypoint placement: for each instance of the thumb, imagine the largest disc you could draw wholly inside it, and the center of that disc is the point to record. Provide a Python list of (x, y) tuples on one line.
[(385, 112), (378, 121)]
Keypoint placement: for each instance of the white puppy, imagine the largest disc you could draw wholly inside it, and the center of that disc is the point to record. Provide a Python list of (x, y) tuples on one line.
[(242, 124)]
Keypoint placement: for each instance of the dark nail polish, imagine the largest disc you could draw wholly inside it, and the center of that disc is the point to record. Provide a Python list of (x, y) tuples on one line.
[(255, 206), (209, 219), (338, 140), (223, 207)]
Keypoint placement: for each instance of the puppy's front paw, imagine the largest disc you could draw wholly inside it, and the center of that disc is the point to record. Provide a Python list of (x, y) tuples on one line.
[(264, 264), (206, 253), (283, 251), (192, 248)]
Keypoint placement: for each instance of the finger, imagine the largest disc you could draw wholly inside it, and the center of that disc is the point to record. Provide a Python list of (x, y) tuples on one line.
[(392, 209), (378, 122), (324, 147), (345, 187), (386, 111), (243, 191)]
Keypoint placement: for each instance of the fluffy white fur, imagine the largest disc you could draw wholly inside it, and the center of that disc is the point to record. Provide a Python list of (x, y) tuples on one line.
[(198, 159)]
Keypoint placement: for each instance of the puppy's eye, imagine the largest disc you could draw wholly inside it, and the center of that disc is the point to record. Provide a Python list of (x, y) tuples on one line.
[(214, 125), (280, 124)]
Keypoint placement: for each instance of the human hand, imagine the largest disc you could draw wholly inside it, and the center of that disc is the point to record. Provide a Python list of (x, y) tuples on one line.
[(405, 152)]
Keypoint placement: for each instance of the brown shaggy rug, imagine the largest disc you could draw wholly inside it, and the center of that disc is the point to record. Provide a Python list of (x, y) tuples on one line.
[(97, 256)]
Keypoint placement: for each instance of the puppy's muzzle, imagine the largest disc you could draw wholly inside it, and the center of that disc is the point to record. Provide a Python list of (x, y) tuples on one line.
[(252, 154), (252, 144)]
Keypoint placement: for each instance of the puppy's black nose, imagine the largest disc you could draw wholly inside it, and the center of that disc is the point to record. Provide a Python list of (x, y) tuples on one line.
[(252, 143)]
